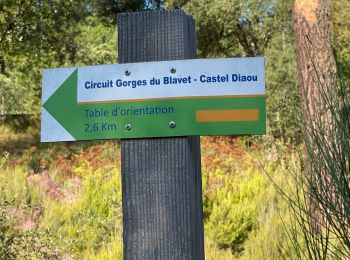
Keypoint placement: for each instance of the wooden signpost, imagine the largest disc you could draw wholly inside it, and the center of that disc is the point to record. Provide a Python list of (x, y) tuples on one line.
[(158, 90), (161, 177)]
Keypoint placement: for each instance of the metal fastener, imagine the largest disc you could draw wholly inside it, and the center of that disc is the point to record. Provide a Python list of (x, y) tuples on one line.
[(128, 127), (172, 70), (172, 124), (127, 72)]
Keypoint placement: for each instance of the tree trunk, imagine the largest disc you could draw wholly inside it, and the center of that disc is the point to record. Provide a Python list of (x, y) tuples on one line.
[(2, 65), (316, 65), (319, 101)]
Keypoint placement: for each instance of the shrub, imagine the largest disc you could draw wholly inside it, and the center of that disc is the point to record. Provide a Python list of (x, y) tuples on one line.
[(92, 216), (235, 210)]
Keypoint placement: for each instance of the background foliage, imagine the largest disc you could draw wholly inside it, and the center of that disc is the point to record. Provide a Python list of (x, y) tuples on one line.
[(37, 35), (54, 197)]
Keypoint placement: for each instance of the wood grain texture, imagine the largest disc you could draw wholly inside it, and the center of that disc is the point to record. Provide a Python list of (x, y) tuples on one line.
[(161, 177)]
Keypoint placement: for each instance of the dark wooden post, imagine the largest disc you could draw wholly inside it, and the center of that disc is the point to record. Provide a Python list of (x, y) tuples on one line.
[(161, 177)]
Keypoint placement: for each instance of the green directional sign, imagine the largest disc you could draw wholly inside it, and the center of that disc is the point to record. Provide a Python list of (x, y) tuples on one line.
[(125, 101)]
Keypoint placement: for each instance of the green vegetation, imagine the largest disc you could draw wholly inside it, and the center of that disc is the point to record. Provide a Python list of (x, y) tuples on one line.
[(50, 210), (63, 201)]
